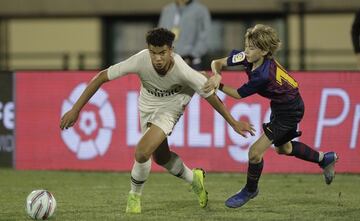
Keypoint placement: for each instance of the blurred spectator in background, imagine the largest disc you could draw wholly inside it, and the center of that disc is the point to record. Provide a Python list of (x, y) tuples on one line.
[(190, 21), (355, 34)]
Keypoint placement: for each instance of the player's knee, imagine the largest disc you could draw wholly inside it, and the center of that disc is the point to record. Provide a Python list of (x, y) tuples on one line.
[(254, 156), (279, 150), (285, 149), (141, 156)]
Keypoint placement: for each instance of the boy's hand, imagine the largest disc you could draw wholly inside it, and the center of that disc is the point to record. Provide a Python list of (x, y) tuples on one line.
[(212, 83), (242, 128)]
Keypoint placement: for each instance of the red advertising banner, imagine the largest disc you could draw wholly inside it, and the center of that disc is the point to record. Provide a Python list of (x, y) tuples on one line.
[(107, 130)]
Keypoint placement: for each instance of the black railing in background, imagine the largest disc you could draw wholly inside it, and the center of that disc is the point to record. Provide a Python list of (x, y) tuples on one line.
[(331, 59), (314, 59), (55, 60)]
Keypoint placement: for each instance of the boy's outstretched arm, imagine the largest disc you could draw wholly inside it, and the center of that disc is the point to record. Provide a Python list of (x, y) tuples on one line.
[(70, 117), (240, 127), (230, 91), (214, 81)]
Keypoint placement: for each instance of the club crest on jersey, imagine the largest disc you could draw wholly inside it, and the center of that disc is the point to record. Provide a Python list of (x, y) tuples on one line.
[(238, 57)]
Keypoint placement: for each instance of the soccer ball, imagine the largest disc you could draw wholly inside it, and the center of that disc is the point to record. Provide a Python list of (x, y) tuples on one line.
[(40, 204)]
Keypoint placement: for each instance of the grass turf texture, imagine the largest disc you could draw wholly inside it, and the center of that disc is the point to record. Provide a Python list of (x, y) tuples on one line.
[(102, 196)]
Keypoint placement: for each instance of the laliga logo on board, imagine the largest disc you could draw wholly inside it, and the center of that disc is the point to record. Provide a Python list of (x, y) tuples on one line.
[(92, 136)]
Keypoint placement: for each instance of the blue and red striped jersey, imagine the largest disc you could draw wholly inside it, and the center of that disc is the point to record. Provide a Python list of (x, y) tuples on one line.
[(269, 80)]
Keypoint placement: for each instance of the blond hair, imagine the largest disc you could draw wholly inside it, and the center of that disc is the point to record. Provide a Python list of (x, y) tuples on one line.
[(263, 37)]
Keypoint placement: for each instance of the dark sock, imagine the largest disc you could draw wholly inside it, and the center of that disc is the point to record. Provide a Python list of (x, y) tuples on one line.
[(304, 152), (253, 175)]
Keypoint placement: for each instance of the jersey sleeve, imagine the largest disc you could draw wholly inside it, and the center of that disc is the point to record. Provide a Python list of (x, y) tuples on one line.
[(237, 57), (254, 85), (195, 80), (130, 65)]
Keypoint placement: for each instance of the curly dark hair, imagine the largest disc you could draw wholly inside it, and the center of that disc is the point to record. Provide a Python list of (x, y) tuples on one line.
[(160, 37)]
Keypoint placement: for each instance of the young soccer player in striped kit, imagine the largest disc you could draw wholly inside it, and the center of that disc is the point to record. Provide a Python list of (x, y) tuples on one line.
[(270, 80)]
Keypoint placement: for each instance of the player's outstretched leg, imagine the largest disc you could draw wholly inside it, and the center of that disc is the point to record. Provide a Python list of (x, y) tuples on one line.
[(328, 166), (133, 203), (198, 186), (240, 198)]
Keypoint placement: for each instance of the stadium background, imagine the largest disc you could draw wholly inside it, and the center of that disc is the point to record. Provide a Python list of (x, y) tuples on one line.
[(48, 49)]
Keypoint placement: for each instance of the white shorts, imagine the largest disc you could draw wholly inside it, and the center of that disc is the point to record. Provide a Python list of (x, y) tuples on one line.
[(164, 118)]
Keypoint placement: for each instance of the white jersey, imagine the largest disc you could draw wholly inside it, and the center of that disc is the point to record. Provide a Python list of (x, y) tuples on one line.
[(172, 91)]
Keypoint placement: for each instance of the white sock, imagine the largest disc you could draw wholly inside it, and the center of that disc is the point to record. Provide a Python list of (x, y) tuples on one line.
[(139, 174), (176, 167)]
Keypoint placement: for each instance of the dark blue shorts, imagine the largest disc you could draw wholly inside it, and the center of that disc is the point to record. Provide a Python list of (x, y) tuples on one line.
[(284, 119)]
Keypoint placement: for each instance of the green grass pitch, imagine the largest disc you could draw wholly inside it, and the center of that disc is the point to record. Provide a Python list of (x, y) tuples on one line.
[(102, 196)]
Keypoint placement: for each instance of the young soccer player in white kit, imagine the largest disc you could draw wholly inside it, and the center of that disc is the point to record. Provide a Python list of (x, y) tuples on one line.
[(167, 85)]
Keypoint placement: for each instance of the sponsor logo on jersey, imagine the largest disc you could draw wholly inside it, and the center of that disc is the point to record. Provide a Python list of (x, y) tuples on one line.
[(175, 89)]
